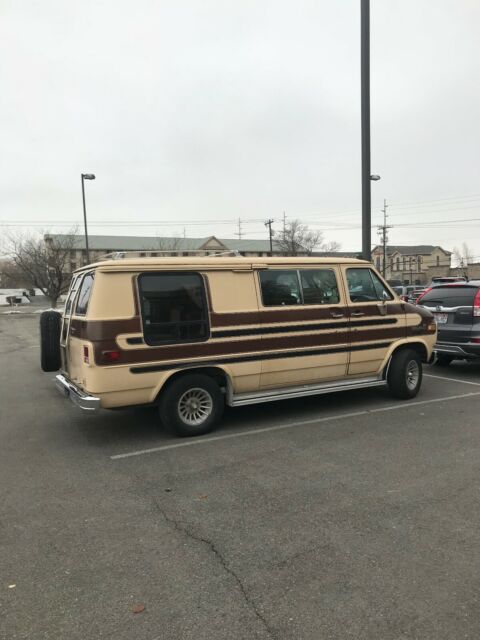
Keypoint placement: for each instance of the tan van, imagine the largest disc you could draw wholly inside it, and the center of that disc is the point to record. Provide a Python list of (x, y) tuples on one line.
[(194, 334)]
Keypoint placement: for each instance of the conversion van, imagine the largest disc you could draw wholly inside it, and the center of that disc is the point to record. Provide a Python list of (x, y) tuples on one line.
[(194, 334)]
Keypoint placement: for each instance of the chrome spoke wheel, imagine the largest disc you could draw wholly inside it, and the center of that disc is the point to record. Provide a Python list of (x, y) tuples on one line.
[(413, 374), (195, 406)]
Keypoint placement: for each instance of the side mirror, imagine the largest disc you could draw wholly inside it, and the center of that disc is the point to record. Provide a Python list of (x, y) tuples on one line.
[(385, 296)]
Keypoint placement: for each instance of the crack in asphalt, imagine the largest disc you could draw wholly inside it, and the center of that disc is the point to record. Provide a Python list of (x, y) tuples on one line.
[(214, 549)]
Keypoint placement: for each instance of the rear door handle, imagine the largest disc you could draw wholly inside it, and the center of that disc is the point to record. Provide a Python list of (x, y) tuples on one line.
[(336, 315), (357, 313)]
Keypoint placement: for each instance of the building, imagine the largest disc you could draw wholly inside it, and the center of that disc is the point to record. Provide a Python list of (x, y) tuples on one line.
[(100, 246), (411, 263)]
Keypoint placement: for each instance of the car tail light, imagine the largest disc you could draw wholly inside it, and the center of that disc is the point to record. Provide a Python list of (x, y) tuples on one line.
[(86, 357), (111, 356), (422, 294), (476, 305), (476, 340)]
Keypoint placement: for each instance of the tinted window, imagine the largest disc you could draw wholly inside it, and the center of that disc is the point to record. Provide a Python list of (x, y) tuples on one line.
[(71, 295), (84, 295), (365, 286), (173, 307), (319, 286), (280, 288), (449, 296)]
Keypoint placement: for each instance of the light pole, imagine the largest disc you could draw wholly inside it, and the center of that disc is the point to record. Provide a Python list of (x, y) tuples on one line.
[(367, 177), (86, 176)]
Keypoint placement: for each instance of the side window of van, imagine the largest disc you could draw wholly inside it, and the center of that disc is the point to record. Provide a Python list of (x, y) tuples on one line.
[(319, 286), (280, 287), (84, 295), (365, 286), (173, 307)]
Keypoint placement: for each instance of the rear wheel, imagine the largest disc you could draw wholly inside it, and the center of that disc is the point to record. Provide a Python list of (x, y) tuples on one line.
[(50, 327), (405, 374), (191, 405), (443, 360)]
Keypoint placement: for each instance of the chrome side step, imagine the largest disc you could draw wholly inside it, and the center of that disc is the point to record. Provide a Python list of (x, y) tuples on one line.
[(272, 395)]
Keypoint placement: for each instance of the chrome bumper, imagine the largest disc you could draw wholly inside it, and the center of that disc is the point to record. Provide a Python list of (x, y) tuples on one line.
[(76, 395)]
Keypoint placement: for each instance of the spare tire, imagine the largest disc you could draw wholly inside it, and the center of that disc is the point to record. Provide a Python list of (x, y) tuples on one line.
[(50, 327)]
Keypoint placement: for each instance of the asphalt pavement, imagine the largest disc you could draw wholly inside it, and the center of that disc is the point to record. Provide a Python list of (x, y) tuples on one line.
[(333, 517)]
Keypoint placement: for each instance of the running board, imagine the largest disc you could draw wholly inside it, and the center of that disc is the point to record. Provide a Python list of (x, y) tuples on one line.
[(272, 395)]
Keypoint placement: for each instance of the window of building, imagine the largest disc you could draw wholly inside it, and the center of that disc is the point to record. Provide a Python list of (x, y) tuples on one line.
[(174, 307), (419, 259), (154, 254), (398, 264), (365, 286), (438, 261), (404, 263), (142, 255), (73, 266), (84, 295), (377, 262)]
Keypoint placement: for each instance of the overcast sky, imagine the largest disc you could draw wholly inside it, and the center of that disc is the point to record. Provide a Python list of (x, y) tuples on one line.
[(193, 113)]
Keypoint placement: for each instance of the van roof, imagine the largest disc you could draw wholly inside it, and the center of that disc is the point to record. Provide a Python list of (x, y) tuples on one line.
[(210, 263)]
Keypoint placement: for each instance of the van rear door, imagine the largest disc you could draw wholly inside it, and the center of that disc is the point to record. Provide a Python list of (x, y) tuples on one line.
[(67, 315)]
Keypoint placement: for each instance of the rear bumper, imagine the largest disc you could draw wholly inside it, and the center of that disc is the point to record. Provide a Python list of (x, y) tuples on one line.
[(77, 396), (464, 350)]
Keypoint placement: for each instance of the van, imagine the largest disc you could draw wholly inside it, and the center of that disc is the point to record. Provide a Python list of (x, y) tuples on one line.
[(192, 335)]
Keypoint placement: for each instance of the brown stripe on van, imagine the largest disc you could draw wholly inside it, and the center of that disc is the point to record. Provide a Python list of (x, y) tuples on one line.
[(298, 314), (167, 353), (94, 330)]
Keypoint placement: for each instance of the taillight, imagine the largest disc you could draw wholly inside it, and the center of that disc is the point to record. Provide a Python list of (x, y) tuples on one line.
[(476, 304), (422, 294), (111, 356), (86, 357)]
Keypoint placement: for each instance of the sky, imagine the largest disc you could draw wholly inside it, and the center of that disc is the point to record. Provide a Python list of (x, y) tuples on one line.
[(194, 114)]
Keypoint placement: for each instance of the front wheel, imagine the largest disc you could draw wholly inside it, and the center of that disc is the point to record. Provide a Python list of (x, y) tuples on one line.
[(405, 374), (191, 405)]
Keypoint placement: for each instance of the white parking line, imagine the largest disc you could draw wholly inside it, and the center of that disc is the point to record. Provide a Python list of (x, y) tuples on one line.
[(429, 375), (289, 425)]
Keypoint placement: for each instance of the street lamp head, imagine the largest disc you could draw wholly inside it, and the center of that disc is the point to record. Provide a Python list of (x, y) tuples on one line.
[(374, 177), (88, 176)]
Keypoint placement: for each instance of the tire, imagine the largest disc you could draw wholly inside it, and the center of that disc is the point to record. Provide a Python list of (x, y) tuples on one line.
[(50, 327), (405, 374), (179, 410), (443, 360)]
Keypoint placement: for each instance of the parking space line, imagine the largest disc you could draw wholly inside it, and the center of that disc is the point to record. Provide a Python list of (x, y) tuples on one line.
[(429, 375), (289, 425)]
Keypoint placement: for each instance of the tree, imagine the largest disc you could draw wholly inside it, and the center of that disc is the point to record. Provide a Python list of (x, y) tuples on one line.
[(168, 243), (42, 265), (297, 238), (463, 256)]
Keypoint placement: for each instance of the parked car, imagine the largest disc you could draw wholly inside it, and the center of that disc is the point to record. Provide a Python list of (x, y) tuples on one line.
[(415, 294), (193, 334), (456, 308)]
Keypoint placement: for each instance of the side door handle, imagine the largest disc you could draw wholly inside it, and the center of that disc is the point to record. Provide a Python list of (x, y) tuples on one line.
[(337, 315), (357, 314)]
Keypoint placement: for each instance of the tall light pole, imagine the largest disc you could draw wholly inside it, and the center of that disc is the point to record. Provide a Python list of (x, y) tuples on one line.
[(86, 176), (367, 177)]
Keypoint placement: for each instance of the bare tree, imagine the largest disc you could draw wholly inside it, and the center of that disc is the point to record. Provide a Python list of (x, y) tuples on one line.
[(463, 256), (297, 238), (168, 243), (42, 264)]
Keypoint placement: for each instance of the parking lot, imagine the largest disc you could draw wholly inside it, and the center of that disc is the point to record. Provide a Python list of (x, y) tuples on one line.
[(343, 516)]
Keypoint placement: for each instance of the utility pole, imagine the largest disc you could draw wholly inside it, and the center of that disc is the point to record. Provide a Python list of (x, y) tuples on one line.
[(239, 233), (383, 233), (268, 224)]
